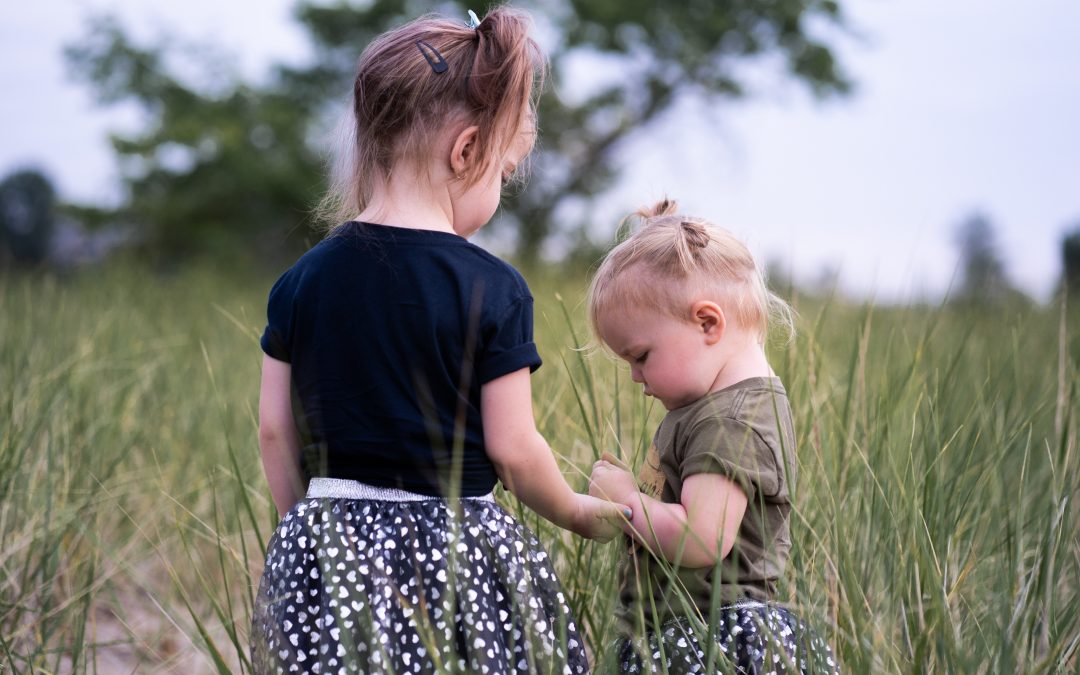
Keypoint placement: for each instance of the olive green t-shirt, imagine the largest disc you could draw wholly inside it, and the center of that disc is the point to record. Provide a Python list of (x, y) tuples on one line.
[(745, 433)]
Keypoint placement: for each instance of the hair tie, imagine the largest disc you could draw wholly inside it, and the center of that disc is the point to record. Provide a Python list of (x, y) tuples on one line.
[(474, 21), (695, 234), (432, 56)]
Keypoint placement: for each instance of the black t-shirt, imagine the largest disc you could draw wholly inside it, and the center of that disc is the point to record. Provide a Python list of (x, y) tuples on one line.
[(390, 333)]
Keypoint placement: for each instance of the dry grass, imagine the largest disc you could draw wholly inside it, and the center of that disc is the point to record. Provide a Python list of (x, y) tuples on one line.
[(936, 525)]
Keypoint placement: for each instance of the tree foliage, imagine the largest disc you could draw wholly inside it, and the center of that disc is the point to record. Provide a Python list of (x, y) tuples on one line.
[(243, 158), (983, 281), (27, 216), (1070, 259), (208, 168)]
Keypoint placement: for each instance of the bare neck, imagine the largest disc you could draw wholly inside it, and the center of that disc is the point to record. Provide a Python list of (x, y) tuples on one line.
[(745, 360), (410, 200)]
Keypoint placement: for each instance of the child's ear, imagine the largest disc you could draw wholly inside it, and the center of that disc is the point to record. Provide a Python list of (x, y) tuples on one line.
[(463, 151), (710, 318)]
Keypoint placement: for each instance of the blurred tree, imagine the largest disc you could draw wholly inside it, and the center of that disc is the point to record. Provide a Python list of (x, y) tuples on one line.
[(1069, 288), (27, 216), (780, 277), (656, 52), (243, 158), (983, 281), (1070, 255), (228, 166)]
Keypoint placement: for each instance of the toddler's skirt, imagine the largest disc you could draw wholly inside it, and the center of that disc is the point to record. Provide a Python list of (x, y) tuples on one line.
[(361, 579), (751, 638)]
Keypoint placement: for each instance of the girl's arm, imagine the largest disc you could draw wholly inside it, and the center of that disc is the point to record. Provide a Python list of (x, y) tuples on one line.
[(526, 465), (697, 532), (279, 444)]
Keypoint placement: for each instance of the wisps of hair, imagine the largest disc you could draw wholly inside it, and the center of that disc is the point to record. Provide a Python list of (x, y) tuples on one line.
[(401, 104), (671, 259)]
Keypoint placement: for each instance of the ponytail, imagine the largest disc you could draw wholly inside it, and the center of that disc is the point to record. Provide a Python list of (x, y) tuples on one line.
[(421, 79)]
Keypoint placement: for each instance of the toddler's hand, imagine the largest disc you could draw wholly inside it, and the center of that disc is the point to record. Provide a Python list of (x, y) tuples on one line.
[(611, 480), (600, 519)]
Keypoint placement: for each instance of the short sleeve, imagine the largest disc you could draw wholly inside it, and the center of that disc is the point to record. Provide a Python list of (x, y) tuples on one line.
[(276, 339), (734, 449), (508, 343)]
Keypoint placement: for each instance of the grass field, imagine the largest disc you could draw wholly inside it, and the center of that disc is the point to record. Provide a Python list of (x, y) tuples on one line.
[(936, 526)]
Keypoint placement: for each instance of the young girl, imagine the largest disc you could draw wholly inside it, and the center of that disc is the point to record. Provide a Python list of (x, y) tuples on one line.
[(408, 352), (684, 304)]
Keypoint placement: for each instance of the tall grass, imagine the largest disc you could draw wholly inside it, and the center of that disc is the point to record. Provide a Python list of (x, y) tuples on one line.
[(935, 522)]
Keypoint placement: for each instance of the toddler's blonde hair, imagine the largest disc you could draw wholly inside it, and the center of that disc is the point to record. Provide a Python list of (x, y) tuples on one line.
[(674, 260)]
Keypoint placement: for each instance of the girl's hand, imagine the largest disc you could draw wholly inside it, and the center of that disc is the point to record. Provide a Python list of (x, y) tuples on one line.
[(600, 519), (611, 480), (526, 465)]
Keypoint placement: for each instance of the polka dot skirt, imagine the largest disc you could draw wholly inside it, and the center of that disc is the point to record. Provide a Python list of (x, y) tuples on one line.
[(751, 639), (412, 586)]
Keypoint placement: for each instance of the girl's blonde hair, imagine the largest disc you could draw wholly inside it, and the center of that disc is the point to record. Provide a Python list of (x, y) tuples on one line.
[(672, 261), (404, 99)]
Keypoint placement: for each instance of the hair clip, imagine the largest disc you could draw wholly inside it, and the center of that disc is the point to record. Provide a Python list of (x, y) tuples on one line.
[(432, 56), (474, 21)]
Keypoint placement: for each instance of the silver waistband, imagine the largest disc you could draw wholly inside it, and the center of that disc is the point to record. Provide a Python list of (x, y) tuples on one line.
[(340, 488), (746, 604)]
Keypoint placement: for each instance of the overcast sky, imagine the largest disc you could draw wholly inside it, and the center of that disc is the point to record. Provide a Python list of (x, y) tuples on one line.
[(961, 106)]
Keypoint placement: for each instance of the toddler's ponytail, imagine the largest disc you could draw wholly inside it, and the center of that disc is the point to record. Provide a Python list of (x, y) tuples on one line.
[(664, 207), (686, 237)]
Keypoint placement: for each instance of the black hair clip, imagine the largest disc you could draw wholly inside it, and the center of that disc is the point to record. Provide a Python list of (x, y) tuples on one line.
[(432, 56)]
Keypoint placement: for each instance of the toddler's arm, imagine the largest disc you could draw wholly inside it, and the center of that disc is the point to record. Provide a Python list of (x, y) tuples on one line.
[(526, 465), (279, 444), (696, 532)]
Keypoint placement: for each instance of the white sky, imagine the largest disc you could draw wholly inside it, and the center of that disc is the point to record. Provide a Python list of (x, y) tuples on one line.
[(961, 105)]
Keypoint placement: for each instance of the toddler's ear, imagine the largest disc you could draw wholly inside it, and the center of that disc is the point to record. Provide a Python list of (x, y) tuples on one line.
[(711, 318)]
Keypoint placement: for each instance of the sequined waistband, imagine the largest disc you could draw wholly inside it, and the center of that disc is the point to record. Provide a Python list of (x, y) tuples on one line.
[(340, 488), (746, 604)]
